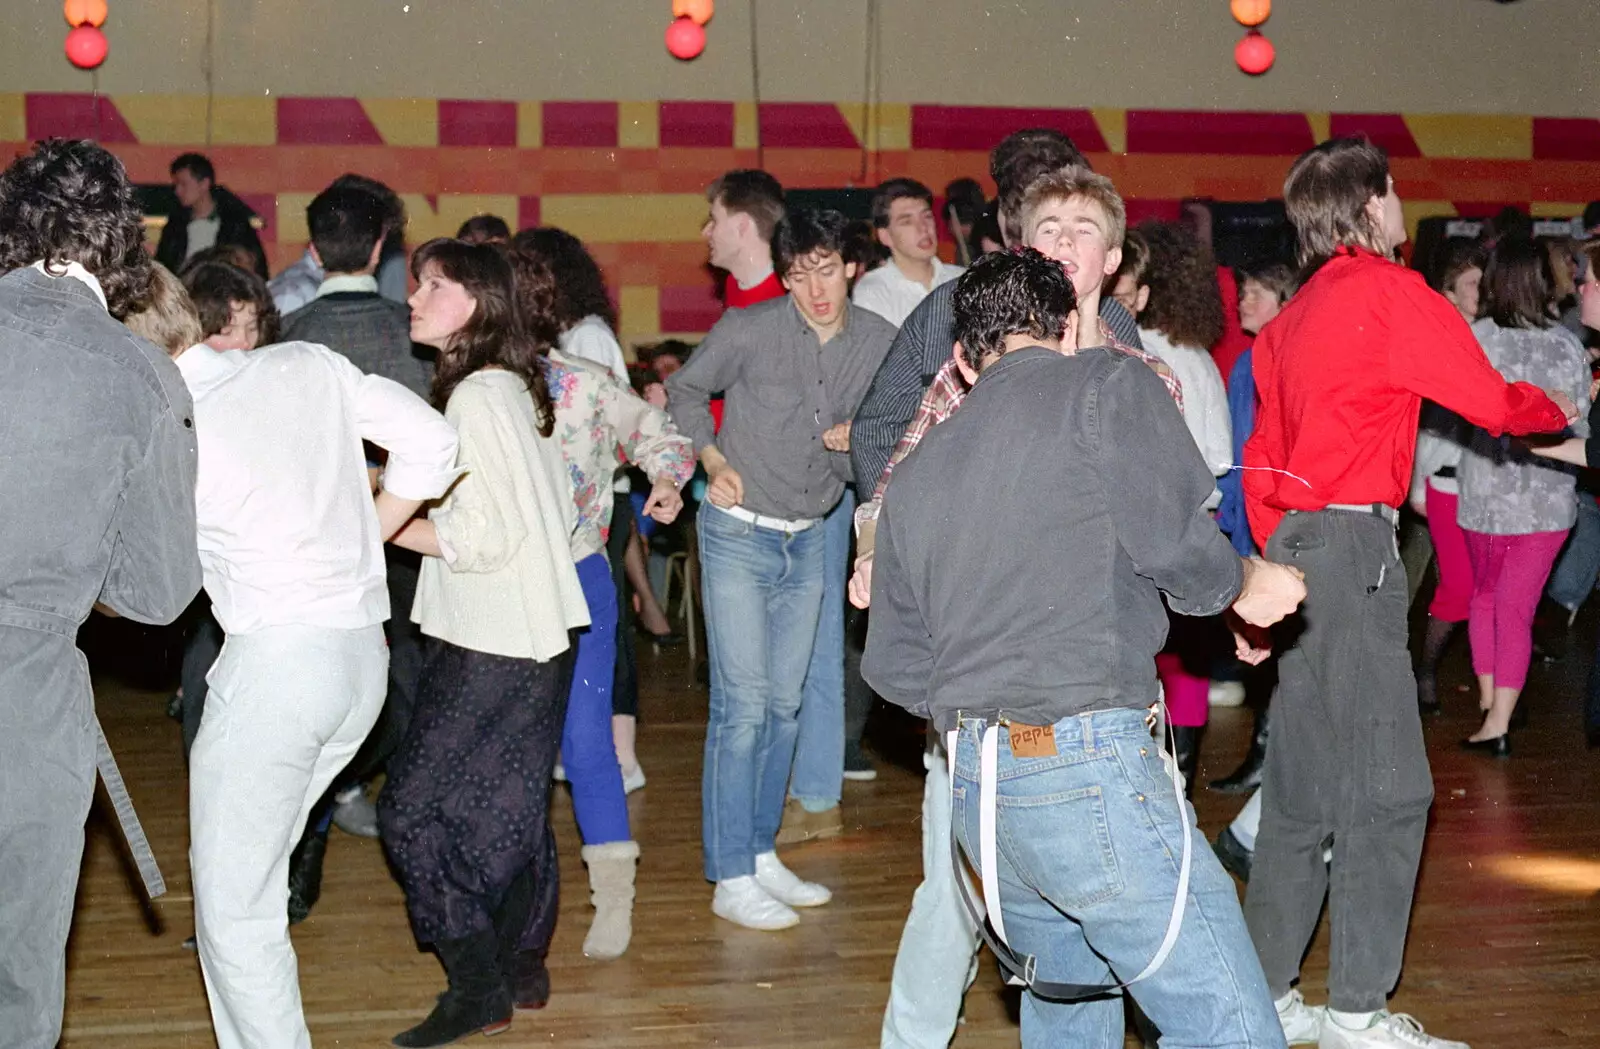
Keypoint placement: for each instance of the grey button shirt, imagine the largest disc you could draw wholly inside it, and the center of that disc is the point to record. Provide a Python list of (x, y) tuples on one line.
[(782, 388), (1509, 492)]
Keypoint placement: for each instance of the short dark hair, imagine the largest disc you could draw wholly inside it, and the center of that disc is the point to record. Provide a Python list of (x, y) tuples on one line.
[(346, 224), (1516, 284), (70, 201), (216, 286), (809, 231), (1010, 293), (1021, 157), (1455, 257), (1591, 215), (1326, 195), (480, 229), (752, 192), (394, 209), (580, 286), (1276, 277), (965, 197), (196, 164), (986, 226), (897, 189)]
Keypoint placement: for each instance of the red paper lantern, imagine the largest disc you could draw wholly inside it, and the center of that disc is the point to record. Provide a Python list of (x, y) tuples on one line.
[(86, 47), (1254, 53), (685, 39), (85, 12), (1251, 12), (698, 10)]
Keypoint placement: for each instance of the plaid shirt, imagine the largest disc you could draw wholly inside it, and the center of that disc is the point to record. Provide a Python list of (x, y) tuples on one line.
[(944, 395)]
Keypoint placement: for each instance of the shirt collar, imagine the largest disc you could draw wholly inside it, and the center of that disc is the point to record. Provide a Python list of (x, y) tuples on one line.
[(805, 325), (202, 367), (347, 282), (77, 272)]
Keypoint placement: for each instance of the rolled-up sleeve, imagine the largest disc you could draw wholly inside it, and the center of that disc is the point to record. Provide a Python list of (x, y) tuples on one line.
[(155, 564), (1157, 484), (647, 435), (712, 368), (422, 445)]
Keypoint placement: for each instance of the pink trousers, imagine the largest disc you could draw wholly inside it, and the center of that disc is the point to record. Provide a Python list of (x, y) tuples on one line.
[(1508, 573), (1454, 595)]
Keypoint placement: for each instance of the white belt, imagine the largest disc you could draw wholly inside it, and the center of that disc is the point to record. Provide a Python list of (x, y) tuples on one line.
[(1020, 970), (775, 524)]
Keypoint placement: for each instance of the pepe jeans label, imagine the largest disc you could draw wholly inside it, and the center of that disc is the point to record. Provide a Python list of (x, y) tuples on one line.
[(1033, 741)]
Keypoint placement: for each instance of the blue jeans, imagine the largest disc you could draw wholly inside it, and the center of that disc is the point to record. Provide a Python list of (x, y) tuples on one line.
[(819, 751), (1579, 564), (762, 592), (587, 751), (1089, 842)]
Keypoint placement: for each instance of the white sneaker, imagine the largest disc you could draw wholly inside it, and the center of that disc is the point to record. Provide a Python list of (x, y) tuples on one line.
[(1225, 694), (1391, 1031), (1302, 1023), (744, 902), (782, 883), (632, 781)]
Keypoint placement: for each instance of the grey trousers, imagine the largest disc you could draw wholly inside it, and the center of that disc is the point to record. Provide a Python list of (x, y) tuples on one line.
[(1346, 765), (47, 778)]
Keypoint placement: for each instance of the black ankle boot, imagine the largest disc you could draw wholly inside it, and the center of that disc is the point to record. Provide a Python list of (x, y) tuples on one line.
[(1435, 639), (1247, 776), (1186, 751), (477, 999), (524, 971), (305, 876)]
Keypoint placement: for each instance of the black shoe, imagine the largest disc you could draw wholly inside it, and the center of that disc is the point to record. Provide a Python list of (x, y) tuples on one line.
[(530, 982), (477, 1001), (1494, 746), (1235, 857), (305, 877), (1247, 776)]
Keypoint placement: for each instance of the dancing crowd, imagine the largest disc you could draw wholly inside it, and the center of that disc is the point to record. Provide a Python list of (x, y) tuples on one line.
[(1094, 469)]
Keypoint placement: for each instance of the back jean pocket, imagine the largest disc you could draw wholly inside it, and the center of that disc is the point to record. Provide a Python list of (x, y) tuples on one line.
[(1060, 845)]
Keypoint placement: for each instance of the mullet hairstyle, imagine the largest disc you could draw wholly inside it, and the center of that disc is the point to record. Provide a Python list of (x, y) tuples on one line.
[(1185, 300), (580, 286), (70, 201), (1326, 195), (747, 191), (215, 286), (1067, 184), (886, 194), (1003, 294), (346, 224), (493, 335), (1516, 284), (805, 232), (1021, 157), (169, 319)]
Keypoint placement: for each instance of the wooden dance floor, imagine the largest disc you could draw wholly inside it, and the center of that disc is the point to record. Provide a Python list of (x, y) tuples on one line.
[(1503, 948)]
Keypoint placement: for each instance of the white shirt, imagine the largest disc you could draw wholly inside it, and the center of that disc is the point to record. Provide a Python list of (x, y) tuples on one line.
[(892, 295), (202, 235), (509, 587), (77, 273), (1205, 401), (288, 532), (591, 339), (336, 283)]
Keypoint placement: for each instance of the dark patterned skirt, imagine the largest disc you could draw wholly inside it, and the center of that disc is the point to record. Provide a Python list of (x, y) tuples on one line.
[(465, 810)]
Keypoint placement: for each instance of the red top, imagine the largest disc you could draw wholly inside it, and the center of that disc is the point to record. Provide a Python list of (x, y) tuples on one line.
[(1234, 341), (737, 298), (1341, 373)]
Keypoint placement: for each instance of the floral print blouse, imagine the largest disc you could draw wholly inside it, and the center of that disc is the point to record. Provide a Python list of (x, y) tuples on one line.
[(1505, 490), (601, 423)]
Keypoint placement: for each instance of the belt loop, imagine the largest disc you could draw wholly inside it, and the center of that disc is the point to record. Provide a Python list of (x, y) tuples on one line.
[(1086, 721)]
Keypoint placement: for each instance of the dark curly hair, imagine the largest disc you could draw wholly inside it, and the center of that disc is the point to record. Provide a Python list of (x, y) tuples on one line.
[(215, 286), (1185, 300), (1005, 294), (580, 286), (493, 335), (536, 294), (70, 201)]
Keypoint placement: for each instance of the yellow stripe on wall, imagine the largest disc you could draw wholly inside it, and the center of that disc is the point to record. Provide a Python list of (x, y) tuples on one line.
[(13, 118), (165, 120), (244, 121), (425, 220), (625, 217), (638, 313), (530, 125), (1113, 124), (639, 125), (1467, 135), (404, 121)]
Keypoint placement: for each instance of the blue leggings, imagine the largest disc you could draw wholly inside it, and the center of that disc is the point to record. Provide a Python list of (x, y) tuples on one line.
[(587, 751)]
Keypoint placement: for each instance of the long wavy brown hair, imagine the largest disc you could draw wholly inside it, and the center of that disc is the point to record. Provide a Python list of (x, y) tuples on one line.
[(493, 336), (1185, 300), (536, 294)]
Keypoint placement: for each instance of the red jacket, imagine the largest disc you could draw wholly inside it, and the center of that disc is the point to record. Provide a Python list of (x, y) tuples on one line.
[(1341, 373)]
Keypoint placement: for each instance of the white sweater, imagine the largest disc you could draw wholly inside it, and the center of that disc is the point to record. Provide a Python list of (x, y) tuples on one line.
[(1205, 401), (509, 588)]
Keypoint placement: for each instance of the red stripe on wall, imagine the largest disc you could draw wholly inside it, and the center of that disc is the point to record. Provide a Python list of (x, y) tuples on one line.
[(1555, 138), (325, 122), (1384, 129), (805, 125), (527, 212), (982, 127), (703, 124), (463, 123), (689, 308), (1487, 209), (1141, 209), (580, 124), (75, 116), (1239, 134)]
